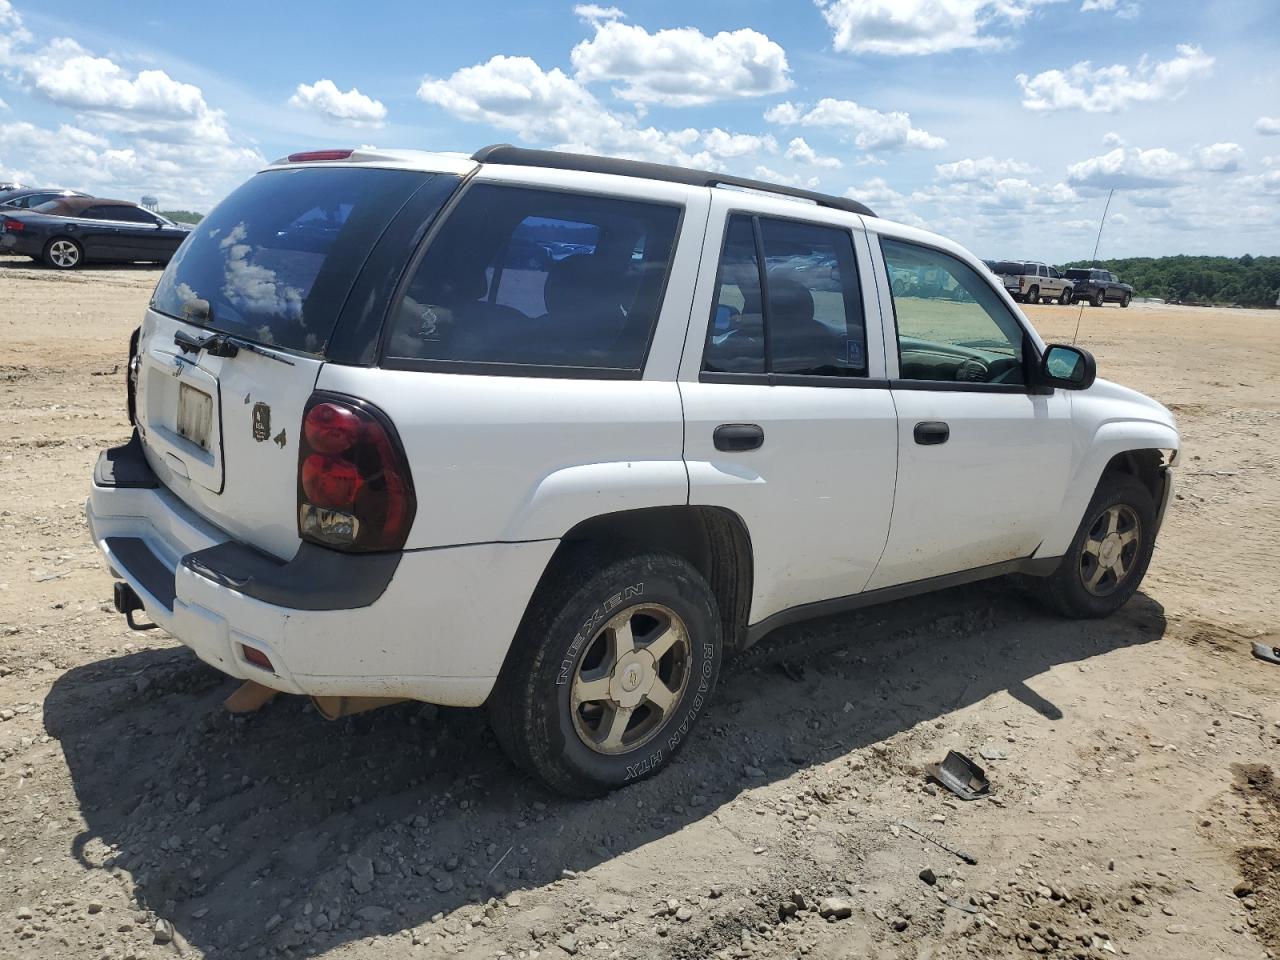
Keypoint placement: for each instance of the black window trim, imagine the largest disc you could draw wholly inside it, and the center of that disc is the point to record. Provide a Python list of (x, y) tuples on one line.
[(1030, 351), (769, 378), (485, 368)]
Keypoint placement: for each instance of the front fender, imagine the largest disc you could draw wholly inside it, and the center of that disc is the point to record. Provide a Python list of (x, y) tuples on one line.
[(1111, 438)]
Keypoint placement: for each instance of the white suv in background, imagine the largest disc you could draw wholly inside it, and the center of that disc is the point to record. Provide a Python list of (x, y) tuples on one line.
[(556, 433)]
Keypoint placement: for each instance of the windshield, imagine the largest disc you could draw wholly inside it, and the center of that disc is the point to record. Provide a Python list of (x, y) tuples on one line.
[(275, 260)]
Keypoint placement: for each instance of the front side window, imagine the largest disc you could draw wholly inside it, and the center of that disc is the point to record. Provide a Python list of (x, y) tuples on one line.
[(952, 326), (529, 277), (809, 321)]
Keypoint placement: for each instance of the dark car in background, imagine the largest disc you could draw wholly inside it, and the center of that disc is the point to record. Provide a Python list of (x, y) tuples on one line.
[(28, 197), (1099, 286), (68, 232)]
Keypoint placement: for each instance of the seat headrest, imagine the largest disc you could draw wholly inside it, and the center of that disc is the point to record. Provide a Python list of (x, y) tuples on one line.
[(578, 284), (791, 299)]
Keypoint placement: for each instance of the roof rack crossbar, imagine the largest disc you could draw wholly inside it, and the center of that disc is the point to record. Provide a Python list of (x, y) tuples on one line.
[(508, 155)]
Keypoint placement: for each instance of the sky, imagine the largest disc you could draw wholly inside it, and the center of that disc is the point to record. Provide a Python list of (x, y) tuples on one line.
[(1002, 124)]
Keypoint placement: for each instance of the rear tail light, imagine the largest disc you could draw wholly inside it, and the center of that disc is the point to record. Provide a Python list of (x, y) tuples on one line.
[(354, 488), (12, 226), (313, 155)]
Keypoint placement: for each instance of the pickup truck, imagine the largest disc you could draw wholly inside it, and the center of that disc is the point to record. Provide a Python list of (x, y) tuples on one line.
[(1030, 281), (1099, 286)]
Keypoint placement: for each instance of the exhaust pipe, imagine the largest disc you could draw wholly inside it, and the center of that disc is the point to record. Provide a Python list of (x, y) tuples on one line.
[(334, 708)]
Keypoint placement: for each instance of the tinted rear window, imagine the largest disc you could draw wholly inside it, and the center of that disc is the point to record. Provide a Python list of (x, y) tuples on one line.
[(1078, 274), (276, 259), (1010, 267), (538, 278)]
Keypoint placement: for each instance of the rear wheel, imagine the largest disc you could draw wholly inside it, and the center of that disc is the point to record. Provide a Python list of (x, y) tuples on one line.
[(1110, 554), (63, 253), (1064, 298), (609, 671), (1033, 295)]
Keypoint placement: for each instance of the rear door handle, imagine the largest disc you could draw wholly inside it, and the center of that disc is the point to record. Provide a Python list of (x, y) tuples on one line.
[(932, 432), (738, 436)]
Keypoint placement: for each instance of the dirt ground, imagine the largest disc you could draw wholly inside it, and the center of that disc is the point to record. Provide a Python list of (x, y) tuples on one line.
[(1134, 809)]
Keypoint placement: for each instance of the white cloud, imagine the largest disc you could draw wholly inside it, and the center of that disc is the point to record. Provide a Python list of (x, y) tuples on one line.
[(983, 169), (914, 27), (887, 202), (352, 107), (870, 129), (1113, 139), (1267, 126), (681, 67), (594, 13), (12, 33), (1220, 157), (799, 151), (773, 176), (1130, 169), (3, 105), (548, 107), (1125, 9), (1107, 89)]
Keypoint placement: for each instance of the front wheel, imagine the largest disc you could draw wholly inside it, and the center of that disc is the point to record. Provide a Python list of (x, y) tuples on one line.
[(63, 253), (610, 670), (1110, 554), (1124, 301), (1097, 298)]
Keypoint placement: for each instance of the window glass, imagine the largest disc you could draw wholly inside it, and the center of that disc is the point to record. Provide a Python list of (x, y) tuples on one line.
[(952, 326), (735, 340), (276, 259), (98, 213), (521, 276), (133, 215), (814, 311)]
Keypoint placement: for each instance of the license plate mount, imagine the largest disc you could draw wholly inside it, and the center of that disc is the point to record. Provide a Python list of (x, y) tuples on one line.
[(195, 415)]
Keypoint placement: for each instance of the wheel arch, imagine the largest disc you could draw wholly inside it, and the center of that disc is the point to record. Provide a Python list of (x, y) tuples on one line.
[(713, 539), (1144, 450)]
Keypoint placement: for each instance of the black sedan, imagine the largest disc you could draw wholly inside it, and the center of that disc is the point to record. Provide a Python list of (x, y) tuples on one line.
[(28, 197), (68, 232)]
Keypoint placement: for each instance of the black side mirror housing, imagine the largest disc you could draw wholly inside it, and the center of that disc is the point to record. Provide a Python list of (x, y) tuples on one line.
[(1071, 368)]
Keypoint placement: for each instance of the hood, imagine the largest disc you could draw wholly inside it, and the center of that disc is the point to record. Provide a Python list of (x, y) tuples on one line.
[(1127, 404)]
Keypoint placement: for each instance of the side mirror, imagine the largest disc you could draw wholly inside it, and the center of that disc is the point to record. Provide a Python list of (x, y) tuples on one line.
[(1070, 368)]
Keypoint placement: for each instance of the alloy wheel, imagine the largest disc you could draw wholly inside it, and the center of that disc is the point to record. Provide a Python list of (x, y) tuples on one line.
[(631, 675), (64, 253), (1110, 550)]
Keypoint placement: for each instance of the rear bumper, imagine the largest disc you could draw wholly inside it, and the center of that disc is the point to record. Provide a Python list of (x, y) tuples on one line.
[(17, 243), (431, 625)]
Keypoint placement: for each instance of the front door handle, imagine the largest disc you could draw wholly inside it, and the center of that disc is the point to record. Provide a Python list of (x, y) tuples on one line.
[(738, 436), (932, 432)]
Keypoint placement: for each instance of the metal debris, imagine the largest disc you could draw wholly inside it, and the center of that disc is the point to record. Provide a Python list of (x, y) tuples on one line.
[(1264, 652), (966, 857), (960, 775)]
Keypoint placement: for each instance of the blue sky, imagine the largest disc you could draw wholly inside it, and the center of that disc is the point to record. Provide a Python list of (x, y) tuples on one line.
[(1001, 123)]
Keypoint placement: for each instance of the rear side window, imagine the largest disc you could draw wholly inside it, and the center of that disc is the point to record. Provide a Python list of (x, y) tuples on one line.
[(812, 321), (276, 259), (527, 278)]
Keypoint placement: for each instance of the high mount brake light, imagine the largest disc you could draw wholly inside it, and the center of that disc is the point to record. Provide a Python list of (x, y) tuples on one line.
[(355, 492), (308, 156)]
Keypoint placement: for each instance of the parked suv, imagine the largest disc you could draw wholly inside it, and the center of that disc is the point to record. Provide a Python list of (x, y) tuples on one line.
[(1100, 286), (385, 448), (1030, 281)]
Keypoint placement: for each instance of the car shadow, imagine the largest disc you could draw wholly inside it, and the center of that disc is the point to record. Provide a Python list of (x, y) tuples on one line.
[(372, 825), (14, 262)]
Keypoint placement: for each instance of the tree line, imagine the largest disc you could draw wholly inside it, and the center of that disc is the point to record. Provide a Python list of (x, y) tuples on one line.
[(1247, 281)]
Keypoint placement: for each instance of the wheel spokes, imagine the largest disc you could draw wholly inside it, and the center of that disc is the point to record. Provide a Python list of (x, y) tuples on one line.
[(587, 691), (1113, 520), (1093, 547), (1099, 571), (623, 640), (661, 696), (664, 641), (615, 726)]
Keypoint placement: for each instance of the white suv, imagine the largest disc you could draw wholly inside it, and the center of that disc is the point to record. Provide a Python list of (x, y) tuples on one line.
[(556, 433)]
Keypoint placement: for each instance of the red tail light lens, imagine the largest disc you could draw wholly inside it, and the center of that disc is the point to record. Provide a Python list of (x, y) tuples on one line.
[(12, 226), (313, 155), (354, 487)]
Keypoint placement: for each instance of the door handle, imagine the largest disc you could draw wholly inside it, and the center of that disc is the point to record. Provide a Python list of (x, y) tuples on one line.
[(738, 436), (932, 432)]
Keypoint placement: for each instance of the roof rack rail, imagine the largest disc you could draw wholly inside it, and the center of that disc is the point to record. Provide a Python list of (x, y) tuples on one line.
[(508, 155)]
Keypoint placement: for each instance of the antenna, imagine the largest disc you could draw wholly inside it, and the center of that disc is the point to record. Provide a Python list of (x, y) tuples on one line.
[(1097, 243)]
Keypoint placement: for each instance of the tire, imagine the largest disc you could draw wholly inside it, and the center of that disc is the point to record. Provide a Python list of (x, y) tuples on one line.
[(1064, 298), (63, 253), (1124, 301), (1097, 299), (1121, 506), (556, 706), (1033, 295)]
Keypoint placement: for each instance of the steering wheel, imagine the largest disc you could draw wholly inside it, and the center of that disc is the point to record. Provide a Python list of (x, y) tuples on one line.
[(973, 371)]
